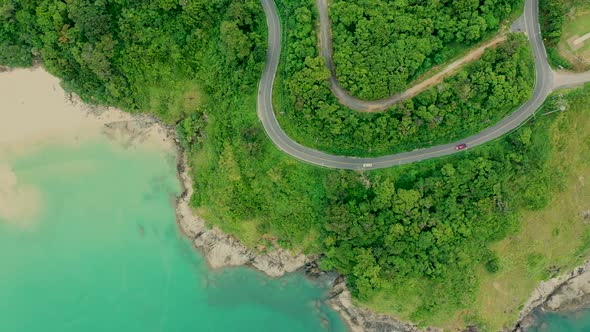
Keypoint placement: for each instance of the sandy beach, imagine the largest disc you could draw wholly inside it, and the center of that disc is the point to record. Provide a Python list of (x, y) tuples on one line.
[(35, 111)]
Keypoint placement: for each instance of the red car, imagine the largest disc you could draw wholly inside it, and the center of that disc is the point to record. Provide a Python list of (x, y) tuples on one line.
[(461, 146)]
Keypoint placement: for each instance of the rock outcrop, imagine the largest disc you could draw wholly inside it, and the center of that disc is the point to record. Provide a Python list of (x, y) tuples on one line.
[(223, 250), (572, 295)]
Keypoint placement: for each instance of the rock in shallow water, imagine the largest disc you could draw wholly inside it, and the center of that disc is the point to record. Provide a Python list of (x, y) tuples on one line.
[(221, 250), (572, 295), (566, 292)]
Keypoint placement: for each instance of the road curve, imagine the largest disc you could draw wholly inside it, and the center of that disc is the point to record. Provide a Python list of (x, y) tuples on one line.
[(266, 114)]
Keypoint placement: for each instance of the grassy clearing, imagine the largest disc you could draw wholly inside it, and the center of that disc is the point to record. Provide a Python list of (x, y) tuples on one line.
[(174, 100), (552, 240), (576, 24), (404, 300)]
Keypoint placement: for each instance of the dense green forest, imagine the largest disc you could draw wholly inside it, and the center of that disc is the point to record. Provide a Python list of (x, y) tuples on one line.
[(415, 232), (427, 227), (137, 55), (382, 45), (552, 14), (473, 99)]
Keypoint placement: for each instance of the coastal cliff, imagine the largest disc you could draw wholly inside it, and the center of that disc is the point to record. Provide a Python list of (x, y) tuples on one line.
[(223, 250), (563, 293)]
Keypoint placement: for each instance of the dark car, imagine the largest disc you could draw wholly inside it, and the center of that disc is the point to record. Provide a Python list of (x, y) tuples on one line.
[(461, 146)]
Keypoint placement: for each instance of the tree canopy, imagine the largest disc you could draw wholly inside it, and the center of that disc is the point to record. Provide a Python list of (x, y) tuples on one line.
[(136, 55), (381, 45)]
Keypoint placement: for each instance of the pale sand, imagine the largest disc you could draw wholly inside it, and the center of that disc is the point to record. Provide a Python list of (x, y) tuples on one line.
[(35, 111)]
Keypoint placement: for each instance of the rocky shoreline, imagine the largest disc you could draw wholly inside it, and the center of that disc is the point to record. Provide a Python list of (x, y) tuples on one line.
[(568, 292), (364, 320), (224, 250)]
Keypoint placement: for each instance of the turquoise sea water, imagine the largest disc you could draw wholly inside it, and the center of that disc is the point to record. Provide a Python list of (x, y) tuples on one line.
[(578, 321), (104, 254)]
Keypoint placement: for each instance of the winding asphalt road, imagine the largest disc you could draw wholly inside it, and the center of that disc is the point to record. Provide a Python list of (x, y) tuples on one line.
[(543, 86)]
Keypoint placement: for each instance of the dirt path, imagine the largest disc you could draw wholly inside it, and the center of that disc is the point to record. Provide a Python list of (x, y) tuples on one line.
[(582, 39), (454, 66), (563, 79)]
